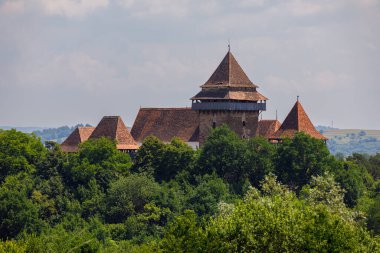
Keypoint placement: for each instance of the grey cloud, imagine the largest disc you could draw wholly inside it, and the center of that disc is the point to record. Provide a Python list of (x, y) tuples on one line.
[(79, 62)]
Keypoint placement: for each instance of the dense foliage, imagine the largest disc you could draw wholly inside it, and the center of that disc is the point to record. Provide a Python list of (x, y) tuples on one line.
[(231, 195)]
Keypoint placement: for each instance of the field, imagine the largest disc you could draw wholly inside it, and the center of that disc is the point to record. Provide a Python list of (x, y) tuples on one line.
[(348, 141), (344, 135)]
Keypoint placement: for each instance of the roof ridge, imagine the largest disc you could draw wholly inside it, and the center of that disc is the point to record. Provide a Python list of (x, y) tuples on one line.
[(229, 67), (165, 108)]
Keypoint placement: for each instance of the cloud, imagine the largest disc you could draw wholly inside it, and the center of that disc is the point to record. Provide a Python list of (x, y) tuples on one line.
[(72, 8), (321, 81), (145, 8), (76, 70), (160, 68), (68, 8), (12, 7)]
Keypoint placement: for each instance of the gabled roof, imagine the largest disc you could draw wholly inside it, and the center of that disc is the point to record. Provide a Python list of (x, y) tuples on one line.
[(79, 135), (267, 128), (229, 73), (166, 123), (297, 121), (114, 128)]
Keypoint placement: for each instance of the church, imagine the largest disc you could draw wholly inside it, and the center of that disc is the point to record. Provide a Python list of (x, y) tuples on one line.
[(228, 97)]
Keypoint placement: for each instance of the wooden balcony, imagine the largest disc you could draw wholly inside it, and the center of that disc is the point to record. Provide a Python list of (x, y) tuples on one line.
[(228, 106)]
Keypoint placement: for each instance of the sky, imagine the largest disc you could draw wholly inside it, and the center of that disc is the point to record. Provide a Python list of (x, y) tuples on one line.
[(64, 62)]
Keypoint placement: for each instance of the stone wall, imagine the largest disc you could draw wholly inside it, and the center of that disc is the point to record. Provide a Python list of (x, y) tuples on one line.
[(243, 123)]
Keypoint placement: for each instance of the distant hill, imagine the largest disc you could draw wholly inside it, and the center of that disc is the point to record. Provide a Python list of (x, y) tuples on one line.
[(23, 129), (56, 134), (348, 141)]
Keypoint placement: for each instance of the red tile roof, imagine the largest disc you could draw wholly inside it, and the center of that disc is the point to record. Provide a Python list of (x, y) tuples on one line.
[(229, 73), (79, 135), (297, 121), (114, 128), (267, 128), (166, 123), (229, 82)]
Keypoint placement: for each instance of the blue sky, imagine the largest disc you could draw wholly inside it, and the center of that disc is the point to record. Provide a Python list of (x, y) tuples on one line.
[(64, 62)]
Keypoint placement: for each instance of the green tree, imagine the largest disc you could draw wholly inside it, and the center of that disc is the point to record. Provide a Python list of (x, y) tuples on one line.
[(350, 176), (300, 158), (225, 154), (19, 152), (128, 196), (97, 159), (260, 159), (272, 221), (97, 150), (374, 215), (164, 161), (17, 210), (205, 197), (150, 155), (374, 168)]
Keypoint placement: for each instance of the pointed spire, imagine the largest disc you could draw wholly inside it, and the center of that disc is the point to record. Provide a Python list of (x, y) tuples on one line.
[(297, 121), (114, 128), (229, 73), (79, 135)]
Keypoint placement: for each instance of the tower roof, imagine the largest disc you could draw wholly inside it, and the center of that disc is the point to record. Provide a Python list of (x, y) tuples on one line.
[(297, 121), (229, 73), (114, 128), (79, 135), (166, 123)]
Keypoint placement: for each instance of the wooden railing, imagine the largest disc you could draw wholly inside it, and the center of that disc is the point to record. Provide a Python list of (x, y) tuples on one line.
[(228, 106)]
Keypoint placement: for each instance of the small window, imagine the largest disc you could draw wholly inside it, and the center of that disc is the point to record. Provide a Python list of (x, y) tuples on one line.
[(243, 123), (213, 124)]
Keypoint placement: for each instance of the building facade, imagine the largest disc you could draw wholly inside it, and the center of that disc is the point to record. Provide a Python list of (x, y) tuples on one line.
[(228, 97)]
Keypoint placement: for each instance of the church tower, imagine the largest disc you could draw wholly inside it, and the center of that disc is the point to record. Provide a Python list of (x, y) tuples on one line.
[(228, 97)]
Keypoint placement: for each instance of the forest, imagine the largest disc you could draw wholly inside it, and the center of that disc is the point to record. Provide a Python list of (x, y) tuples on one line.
[(230, 195)]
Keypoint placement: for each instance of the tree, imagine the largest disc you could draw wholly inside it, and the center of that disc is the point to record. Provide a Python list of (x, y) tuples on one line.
[(205, 197), (97, 159), (350, 176), (260, 159), (374, 215), (225, 154), (274, 220), (164, 161), (95, 151), (300, 158), (17, 210), (374, 168), (150, 155), (128, 196), (177, 157), (19, 152)]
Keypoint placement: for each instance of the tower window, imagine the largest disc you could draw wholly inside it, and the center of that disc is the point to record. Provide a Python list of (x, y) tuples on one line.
[(243, 123)]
